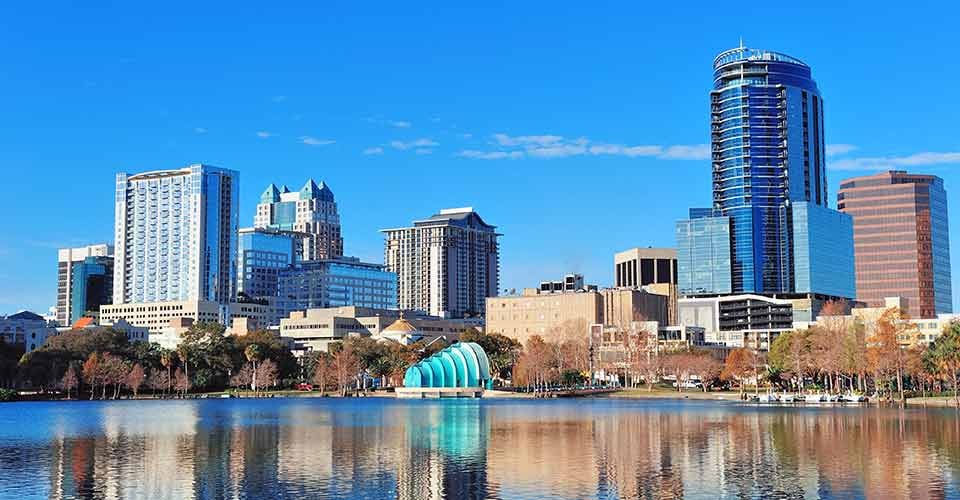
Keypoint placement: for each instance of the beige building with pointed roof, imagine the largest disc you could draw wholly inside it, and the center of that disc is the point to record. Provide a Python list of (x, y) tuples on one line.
[(402, 331)]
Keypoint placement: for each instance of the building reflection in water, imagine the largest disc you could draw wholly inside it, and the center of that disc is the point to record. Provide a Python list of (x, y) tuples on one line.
[(471, 449), (444, 451)]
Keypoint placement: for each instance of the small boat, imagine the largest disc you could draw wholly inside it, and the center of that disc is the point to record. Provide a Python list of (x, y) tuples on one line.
[(853, 398), (815, 398), (767, 398)]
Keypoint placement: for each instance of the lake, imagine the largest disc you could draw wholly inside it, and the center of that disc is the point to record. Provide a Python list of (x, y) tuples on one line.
[(509, 449)]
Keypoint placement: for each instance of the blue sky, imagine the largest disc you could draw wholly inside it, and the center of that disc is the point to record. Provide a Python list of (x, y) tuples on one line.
[(577, 129)]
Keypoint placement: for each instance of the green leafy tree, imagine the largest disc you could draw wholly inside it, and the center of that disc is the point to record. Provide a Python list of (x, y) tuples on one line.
[(503, 352), (943, 357), (10, 355), (210, 353), (790, 354)]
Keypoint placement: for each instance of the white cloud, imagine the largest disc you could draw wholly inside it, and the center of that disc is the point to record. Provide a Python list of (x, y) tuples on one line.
[(840, 149), (890, 162), (424, 151), (543, 140), (557, 151), (199, 130), (555, 146), (621, 150), (490, 155), (424, 142), (373, 151), (379, 120), (691, 152), (263, 134), (313, 141)]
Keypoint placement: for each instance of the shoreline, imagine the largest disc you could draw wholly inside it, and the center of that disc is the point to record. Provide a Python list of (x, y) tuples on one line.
[(625, 394)]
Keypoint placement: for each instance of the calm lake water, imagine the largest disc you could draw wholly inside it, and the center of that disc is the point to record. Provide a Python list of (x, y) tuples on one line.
[(558, 449)]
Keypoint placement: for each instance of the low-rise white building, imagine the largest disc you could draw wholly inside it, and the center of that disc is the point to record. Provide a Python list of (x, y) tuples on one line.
[(27, 329), (133, 333), (157, 315), (745, 320)]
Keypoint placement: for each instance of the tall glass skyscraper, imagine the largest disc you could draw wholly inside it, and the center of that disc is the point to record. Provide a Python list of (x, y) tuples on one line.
[(768, 159), (176, 235), (768, 151)]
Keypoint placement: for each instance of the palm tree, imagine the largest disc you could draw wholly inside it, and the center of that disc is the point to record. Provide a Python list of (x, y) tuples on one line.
[(253, 354), (183, 353), (166, 359)]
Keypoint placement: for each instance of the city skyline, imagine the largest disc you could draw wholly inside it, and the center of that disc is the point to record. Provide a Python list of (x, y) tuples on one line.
[(387, 153)]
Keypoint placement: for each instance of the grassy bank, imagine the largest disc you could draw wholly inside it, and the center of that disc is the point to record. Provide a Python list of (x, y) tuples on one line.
[(942, 401), (658, 393)]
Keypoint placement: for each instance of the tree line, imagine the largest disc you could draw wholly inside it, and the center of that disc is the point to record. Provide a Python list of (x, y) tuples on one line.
[(100, 363), (888, 359), (348, 364), (837, 355)]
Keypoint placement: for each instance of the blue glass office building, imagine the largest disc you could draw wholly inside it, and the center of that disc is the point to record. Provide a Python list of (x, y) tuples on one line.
[(703, 254), (768, 159), (91, 286), (263, 253), (823, 259), (336, 282)]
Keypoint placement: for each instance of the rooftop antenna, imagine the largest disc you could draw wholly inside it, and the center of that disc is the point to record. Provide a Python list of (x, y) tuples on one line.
[(741, 42)]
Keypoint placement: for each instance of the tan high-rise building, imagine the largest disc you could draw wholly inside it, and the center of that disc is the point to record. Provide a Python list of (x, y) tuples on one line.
[(901, 240), (446, 265), (570, 314), (654, 269), (622, 306), (534, 313)]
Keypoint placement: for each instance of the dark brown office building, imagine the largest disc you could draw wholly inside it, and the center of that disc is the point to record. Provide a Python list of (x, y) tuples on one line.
[(901, 240)]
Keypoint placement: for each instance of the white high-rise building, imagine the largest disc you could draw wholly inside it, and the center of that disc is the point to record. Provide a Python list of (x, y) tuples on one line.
[(446, 265), (84, 281), (176, 235)]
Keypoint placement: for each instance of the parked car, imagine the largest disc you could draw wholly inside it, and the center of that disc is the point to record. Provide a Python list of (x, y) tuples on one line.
[(304, 387)]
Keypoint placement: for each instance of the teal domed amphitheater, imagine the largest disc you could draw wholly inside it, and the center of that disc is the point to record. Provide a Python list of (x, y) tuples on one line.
[(462, 365)]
